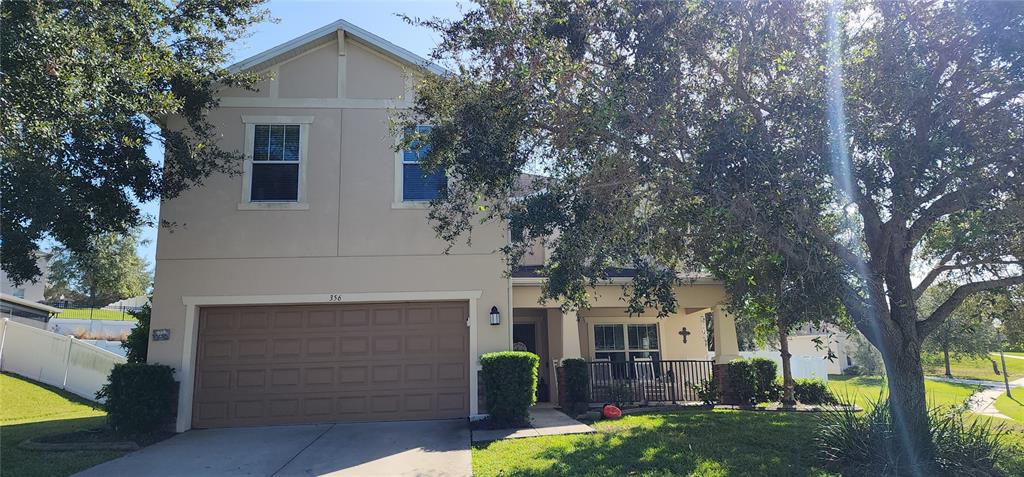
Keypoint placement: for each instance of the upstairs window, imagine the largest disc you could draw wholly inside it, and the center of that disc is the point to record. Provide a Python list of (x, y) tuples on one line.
[(275, 163), (417, 185), (274, 175)]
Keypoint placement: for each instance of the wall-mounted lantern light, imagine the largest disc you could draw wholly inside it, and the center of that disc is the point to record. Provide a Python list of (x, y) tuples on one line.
[(495, 316)]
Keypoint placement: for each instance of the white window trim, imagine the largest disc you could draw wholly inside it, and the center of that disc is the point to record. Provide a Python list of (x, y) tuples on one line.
[(399, 201), (250, 123), (625, 340)]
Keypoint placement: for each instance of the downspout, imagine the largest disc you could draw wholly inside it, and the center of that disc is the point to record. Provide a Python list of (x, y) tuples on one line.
[(511, 318)]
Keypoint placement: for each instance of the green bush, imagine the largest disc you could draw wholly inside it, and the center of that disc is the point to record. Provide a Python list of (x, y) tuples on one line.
[(766, 372), (510, 378), (140, 397), (707, 391), (812, 391), (853, 443), (577, 384), (619, 394), (854, 371), (742, 378), (137, 343)]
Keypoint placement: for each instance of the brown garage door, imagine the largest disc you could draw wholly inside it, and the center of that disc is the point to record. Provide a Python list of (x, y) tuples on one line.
[(260, 365)]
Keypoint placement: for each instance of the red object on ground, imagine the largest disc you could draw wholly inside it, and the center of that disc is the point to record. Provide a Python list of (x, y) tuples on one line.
[(611, 412)]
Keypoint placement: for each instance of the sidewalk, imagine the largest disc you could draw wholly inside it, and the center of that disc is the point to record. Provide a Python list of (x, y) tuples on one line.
[(544, 421), (983, 402)]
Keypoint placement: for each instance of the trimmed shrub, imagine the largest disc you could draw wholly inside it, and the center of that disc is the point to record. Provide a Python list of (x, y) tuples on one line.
[(742, 381), (510, 378), (812, 391), (140, 397), (137, 342), (854, 371), (765, 372), (853, 443), (577, 378)]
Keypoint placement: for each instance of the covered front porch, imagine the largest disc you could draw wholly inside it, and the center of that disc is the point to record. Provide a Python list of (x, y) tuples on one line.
[(639, 358)]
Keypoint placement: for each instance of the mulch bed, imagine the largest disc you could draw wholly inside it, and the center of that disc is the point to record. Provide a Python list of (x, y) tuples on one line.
[(774, 407), (93, 439)]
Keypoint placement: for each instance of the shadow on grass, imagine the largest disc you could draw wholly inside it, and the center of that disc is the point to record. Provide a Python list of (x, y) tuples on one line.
[(22, 462), (859, 380), (681, 443)]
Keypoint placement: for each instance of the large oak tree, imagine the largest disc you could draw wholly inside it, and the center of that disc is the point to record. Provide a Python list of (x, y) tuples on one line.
[(85, 87), (859, 138)]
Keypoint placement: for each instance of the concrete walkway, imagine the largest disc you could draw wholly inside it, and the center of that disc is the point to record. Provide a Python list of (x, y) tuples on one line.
[(1010, 356), (544, 421), (414, 448), (983, 402)]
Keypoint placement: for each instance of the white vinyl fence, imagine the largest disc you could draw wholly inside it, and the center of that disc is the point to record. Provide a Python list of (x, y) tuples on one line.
[(57, 360), (100, 329), (803, 366)]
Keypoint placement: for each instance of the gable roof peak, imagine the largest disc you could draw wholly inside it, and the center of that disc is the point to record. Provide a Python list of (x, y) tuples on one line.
[(326, 34)]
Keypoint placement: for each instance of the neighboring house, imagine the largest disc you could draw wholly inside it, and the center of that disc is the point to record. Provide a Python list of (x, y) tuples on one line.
[(33, 290), (832, 346), (25, 311), (311, 288)]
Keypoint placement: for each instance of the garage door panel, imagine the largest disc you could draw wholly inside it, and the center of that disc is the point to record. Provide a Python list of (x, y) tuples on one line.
[(250, 321), (324, 363), (387, 317), (385, 345), (322, 319)]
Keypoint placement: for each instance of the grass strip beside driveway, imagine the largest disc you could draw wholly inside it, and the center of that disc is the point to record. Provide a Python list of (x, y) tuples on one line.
[(29, 409)]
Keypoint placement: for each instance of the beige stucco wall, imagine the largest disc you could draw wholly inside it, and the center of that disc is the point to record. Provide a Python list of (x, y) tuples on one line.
[(372, 75), (606, 308), (351, 239), (311, 75), (671, 342), (534, 255)]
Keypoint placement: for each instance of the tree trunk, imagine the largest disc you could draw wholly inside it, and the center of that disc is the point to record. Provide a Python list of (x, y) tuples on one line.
[(787, 369), (912, 435), (945, 355)]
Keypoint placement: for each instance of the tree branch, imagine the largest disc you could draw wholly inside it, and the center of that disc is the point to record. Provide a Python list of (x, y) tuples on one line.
[(952, 202), (926, 326), (942, 268)]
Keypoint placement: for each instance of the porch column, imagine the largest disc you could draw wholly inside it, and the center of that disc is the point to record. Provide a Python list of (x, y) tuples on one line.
[(724, 331), (571, 336)]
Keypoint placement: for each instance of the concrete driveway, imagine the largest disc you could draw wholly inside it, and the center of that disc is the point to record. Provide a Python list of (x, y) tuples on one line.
[(413, 448)]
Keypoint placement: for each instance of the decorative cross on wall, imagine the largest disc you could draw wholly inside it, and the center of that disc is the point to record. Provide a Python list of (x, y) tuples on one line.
[(685, 333)]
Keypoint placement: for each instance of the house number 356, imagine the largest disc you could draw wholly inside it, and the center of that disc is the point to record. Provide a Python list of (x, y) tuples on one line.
[(334, 297)]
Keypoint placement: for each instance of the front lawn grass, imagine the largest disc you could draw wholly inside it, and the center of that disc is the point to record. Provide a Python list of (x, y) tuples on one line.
[(704, 443), (972, 368), (29, 409), (1012, 407), (95, 314), (865, 390)]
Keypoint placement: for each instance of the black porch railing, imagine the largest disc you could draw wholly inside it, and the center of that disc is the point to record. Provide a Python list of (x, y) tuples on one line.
[(646, 381)]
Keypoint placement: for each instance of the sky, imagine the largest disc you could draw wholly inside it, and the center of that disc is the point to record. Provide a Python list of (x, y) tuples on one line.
[(296, 18)]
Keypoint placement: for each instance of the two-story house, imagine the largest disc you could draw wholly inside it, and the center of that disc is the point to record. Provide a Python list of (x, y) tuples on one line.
[(311, 288)]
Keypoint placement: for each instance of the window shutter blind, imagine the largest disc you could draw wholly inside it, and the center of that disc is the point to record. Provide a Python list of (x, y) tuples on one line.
[(275, 182)]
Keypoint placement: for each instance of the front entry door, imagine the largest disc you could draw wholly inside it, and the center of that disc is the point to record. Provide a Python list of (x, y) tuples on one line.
[(524, 338)]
